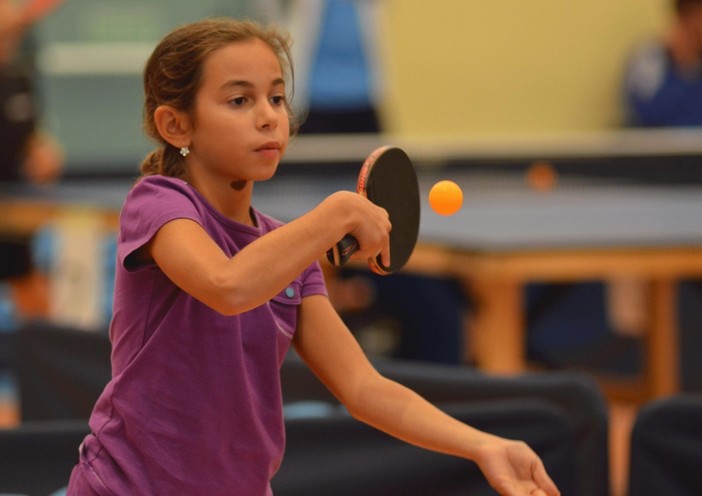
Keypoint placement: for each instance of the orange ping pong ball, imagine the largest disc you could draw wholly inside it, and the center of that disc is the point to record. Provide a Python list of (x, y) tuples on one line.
[(445, 197)]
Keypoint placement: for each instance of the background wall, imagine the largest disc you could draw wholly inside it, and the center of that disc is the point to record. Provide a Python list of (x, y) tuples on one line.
[(451, 67), (476, 66), (91, 55)]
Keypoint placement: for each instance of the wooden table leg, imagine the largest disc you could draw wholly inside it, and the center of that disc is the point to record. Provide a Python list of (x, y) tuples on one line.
[(498, 332), (662, 341), (30, 293)]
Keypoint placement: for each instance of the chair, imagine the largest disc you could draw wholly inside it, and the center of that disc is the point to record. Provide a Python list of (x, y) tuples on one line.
[(338, 455), (61, 371), (562, 416), (666, 448), (36, 458), (572, 397)]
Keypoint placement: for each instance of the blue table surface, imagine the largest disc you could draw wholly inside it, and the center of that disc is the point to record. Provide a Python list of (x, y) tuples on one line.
[(499, 212)]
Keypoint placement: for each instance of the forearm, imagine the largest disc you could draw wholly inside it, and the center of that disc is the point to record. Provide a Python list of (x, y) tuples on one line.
[(334, 356), (331, 352), (268, 264), (402, 413), (262, 269), (272, 261)]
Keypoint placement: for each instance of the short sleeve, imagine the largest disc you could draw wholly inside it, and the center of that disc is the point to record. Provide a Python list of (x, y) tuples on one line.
[(151, 203), (313, 281)]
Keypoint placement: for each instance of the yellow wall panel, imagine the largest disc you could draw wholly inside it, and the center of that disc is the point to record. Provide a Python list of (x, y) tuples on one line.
[(494, 66)]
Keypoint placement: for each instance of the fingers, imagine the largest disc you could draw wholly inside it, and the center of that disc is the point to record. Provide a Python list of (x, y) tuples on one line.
[(368, 223), (385, 254), (520, 472), (373, 234), (546, 485)]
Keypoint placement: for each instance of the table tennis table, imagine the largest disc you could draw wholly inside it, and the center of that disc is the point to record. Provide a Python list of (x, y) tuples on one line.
[(506, 236)]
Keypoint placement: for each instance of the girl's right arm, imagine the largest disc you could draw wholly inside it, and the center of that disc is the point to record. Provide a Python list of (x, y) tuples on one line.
[(193, 261)]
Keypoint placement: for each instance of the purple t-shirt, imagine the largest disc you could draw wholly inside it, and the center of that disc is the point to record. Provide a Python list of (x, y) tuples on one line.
[(194, 405)]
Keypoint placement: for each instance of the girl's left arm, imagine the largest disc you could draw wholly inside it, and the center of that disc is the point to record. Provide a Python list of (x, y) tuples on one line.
[(327, 346)]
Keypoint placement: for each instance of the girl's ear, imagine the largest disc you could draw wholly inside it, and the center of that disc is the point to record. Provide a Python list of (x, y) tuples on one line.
[(173, 125)]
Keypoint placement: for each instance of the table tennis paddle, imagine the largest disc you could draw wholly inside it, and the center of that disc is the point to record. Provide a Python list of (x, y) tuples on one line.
[(388, 179)]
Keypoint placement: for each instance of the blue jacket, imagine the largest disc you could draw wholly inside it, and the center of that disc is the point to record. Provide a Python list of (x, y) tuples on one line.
[(658, 93)]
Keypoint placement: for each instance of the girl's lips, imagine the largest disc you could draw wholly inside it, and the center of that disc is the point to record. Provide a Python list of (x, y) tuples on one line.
[(271, 151), (270, 146)]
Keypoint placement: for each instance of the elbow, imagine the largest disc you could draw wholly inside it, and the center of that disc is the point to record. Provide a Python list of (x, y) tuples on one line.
[(357, 413), (226, 298), (354, 409), (359, 401)]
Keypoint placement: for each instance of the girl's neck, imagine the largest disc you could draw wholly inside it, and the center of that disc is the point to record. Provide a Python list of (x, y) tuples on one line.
[(233, 199)]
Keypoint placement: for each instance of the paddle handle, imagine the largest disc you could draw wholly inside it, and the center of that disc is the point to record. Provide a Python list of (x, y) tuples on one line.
[(340, 253)]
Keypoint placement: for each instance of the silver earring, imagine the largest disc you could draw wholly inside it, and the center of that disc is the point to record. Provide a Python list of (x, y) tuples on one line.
[(185, 151)]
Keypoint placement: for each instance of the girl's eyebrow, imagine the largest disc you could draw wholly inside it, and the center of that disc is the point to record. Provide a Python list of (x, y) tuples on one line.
[(248, 84)]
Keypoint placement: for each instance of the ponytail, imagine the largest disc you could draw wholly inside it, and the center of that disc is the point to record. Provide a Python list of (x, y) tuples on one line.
[(165, 161)]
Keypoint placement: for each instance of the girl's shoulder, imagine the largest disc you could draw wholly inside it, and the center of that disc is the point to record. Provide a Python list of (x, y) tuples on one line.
[(155, 199), (157, 181), (160, 189)]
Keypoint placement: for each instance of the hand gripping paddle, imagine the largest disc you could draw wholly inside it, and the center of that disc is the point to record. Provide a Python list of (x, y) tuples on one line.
[(389, 180)]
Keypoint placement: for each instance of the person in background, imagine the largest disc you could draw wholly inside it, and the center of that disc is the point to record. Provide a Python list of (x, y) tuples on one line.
[(663, 88), (339, 78), (663, 78), (27, 155)]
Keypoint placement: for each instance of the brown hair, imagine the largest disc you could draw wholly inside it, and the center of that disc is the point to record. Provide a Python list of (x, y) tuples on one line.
[(681, 5), (173, 73)]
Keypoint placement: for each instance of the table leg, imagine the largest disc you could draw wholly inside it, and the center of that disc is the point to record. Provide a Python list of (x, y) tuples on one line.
[(662, 341), (30, 293), (497, 333)]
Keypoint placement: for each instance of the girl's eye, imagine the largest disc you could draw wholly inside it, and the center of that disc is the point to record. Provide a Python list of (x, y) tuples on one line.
[(278, 100), (240, 100)]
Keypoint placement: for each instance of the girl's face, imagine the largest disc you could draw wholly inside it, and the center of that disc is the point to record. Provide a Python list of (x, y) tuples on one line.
[(241, 124)]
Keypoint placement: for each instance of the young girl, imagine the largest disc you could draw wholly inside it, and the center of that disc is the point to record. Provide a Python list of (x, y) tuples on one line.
[(210, 293)]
